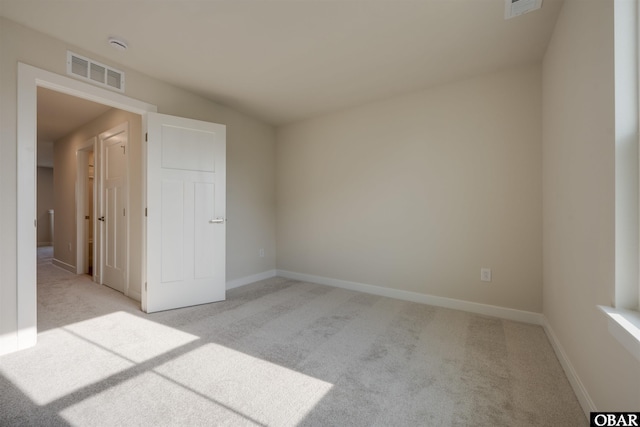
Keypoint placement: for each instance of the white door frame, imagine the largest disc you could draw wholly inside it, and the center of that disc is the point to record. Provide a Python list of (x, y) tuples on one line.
[(29, 79), (82, 156)]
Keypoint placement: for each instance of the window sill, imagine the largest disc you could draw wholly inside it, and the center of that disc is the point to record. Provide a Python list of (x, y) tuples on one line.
[(624, 325)]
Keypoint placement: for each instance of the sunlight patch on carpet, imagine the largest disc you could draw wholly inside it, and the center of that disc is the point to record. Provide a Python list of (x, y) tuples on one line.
[(261, 390), (230, 388), (46, 373), (87, 353), (132, 337)]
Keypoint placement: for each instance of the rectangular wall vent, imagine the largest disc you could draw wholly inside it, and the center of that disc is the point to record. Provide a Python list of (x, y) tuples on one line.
[(94, 72), (513, 8)]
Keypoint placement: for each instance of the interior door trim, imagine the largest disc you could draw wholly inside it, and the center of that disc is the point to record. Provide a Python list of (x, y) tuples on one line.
[(23, 333)]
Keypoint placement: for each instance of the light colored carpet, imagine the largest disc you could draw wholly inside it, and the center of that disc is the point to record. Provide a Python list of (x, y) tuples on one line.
[(278, 353), (45, 254)]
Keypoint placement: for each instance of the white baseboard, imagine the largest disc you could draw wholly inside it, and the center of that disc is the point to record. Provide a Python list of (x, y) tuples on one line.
[(64, 265), (235, 283), (472, 307), (578, 388)]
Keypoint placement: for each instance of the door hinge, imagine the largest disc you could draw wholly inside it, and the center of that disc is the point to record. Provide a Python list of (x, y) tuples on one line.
[(146, 137), (145, 286), (145, 211), (124, 212)]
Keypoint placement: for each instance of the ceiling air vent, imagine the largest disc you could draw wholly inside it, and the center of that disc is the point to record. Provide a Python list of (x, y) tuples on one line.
[(513, 8), (94, 72)]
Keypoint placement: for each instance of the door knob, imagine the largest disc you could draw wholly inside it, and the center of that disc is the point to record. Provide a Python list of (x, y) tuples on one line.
[(216, 221)]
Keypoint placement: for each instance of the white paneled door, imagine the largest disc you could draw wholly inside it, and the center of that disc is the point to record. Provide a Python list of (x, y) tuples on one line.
[(113, 252), (186, 208)]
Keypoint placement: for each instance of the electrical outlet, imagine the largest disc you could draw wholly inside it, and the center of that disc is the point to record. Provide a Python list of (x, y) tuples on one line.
[(485, 274), (261, 253)]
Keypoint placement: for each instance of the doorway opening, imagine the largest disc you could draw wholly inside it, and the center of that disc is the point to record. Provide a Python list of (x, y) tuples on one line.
[(195, 149), (29, 80), (91, 154)]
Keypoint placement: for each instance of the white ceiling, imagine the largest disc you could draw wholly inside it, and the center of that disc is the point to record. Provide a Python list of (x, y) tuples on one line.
[(283, 61)]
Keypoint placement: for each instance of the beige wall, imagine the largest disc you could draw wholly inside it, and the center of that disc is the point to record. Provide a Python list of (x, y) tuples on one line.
[(419, 192), (44, 203), (579, 191), (65, 172), (250, 161)]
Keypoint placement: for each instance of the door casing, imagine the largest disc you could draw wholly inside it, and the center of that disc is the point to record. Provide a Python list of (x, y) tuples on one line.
[(29, 79)]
